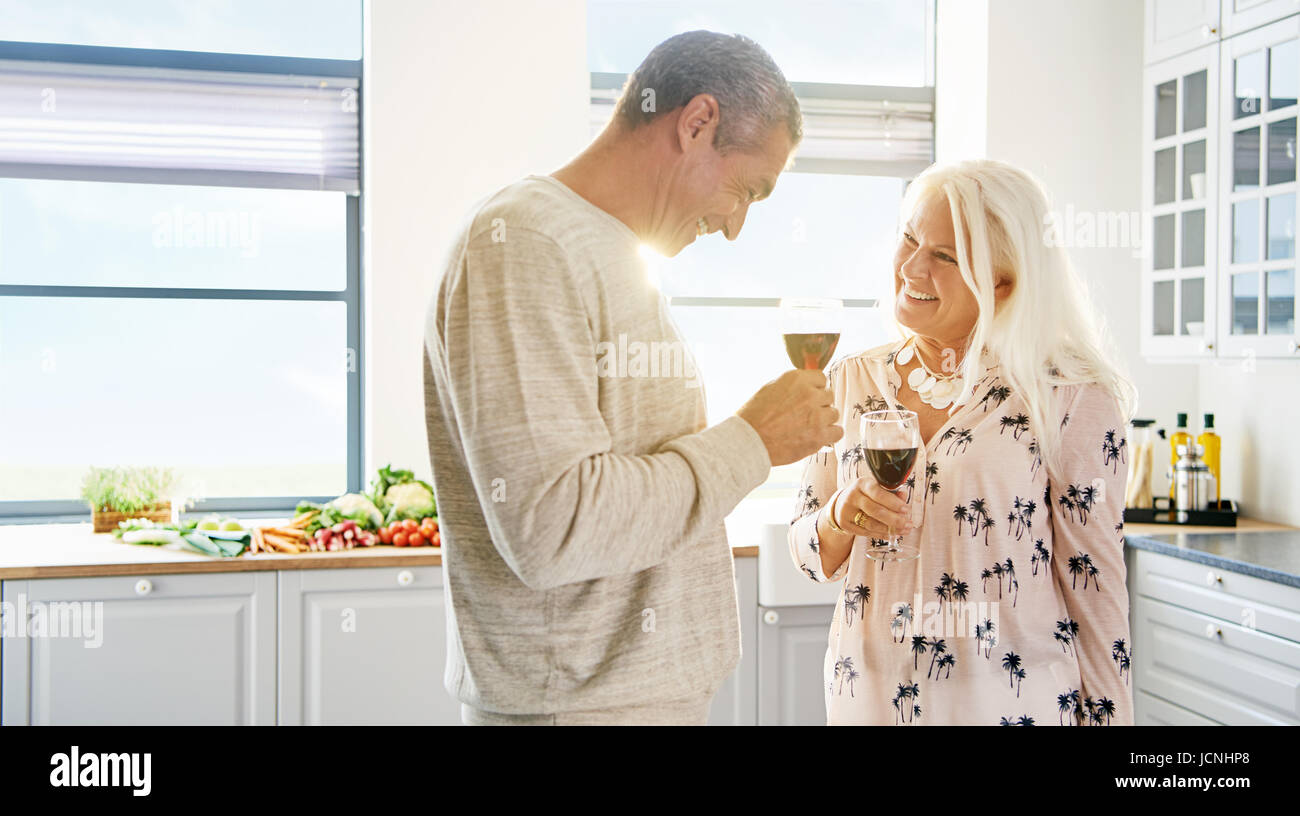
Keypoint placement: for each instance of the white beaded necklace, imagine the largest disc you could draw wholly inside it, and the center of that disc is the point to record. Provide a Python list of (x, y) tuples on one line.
[(935, 391)]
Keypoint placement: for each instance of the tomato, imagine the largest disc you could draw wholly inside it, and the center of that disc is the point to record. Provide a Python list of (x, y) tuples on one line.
[(386, 536), (427, 530), (400, 540), (437, 540), (410, 525), (417, 539)]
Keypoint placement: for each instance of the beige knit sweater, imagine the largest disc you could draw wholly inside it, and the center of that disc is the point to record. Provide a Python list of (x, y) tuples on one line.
[(581, 495)]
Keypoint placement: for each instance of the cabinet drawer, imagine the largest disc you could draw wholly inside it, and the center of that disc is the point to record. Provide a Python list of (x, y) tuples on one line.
[(1152, 710), (1227, 673), (1238, 599), (165, 650)]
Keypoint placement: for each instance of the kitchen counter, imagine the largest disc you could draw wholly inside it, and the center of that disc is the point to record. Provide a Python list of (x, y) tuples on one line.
[(1255, 548), (73, 551)]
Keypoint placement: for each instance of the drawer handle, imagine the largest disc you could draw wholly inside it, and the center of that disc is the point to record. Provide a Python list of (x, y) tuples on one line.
[(770, 617), (405, 578), (1212, 631), (143, 587), (1211, 579)]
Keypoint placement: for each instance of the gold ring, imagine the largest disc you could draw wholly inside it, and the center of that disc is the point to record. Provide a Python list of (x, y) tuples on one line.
[(857, 519)]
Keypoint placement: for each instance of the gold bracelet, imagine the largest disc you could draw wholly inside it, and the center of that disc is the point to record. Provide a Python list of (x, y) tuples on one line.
[(830, 516)]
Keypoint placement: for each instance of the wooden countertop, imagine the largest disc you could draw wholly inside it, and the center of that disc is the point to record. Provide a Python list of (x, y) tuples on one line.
[(1244, 525), (73, 551)]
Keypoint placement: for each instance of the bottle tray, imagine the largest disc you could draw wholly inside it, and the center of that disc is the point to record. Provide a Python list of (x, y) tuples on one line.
[(1224, 514)]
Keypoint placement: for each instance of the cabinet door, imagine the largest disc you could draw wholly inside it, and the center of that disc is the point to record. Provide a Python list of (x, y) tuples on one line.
[(1178, 26), (156, 650), (1217, 669), (1260, 81), (736, 702), (791, 656), (1154, 711), (1180, 183), (364, 646), (1243, 15)]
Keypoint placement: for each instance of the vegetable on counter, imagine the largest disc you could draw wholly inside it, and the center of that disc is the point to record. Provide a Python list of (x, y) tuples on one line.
[(407, 533), (400, 496), (145, 531), (127, 490), (349, 507), (224, 543), (400, 510), (306, 533)]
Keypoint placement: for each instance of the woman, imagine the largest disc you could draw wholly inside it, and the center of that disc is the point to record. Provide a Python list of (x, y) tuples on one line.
[(1016, 611)]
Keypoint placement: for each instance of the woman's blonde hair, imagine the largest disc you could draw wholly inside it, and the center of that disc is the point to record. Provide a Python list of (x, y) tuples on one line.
[(1045, 332)]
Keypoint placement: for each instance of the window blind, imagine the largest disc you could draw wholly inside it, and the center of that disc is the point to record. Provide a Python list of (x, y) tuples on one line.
[(853, 129), (176, 125)]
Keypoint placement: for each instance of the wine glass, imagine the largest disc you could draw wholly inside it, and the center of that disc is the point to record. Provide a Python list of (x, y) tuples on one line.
[(811, 329), (890, 440)]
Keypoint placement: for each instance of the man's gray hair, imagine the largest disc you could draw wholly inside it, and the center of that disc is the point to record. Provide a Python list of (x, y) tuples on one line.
[(753, 95)]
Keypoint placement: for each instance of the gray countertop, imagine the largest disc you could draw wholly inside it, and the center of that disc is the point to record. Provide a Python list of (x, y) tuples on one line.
[(1270, 555)]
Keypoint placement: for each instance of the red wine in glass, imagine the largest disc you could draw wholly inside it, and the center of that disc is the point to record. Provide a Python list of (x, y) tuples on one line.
[(811, 351), (890, 441), (890, 466)]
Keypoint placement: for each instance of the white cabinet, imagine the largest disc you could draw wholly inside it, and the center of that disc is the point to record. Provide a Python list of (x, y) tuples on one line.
[(364, 646), (141, 650), (1260, 73), (736, 702), (1177, 26), (1243, 15), (1154, 711), (1219, 186), (1180, 184), (791, 664), (1211, 646)]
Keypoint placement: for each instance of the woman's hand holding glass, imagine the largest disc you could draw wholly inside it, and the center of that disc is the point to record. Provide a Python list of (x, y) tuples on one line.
[(864, 508)]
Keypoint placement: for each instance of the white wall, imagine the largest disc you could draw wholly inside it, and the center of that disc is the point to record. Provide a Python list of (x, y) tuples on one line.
[(1255, 413), (1056, 89), (460, 99), (1060, 96), (961, 74)]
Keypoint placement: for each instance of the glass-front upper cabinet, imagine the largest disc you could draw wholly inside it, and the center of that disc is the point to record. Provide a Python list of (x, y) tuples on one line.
[(1180, 190), (1260, 73), (1177, 26), (1243, 15)]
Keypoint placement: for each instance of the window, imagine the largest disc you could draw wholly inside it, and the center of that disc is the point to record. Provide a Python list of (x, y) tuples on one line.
[(322, 29), (179, 249), (863, 71)]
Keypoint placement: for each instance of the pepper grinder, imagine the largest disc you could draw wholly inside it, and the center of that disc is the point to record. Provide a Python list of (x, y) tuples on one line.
[(1193, 482)]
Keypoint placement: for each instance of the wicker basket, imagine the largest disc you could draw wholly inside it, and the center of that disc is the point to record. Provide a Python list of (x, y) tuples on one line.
[(106, 522)]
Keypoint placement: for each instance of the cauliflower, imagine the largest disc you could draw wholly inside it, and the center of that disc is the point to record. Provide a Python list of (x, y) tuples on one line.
[(358, 508), (413, 500)]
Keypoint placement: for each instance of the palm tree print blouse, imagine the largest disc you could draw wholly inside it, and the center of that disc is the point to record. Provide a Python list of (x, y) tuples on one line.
[(1016, 612)]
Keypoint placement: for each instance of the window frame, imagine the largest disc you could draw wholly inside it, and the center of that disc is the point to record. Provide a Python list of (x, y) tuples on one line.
[(36, 511), (604, 84)]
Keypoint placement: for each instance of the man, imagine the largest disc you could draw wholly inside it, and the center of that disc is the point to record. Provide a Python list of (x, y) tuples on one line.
[(582, 497)]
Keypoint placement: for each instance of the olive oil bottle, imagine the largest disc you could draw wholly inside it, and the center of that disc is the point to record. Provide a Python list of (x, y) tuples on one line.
[(1180, 436), (1210, 441)]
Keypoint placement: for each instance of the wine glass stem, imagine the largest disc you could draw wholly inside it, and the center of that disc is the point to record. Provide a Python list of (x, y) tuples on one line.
[(890, 527)]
